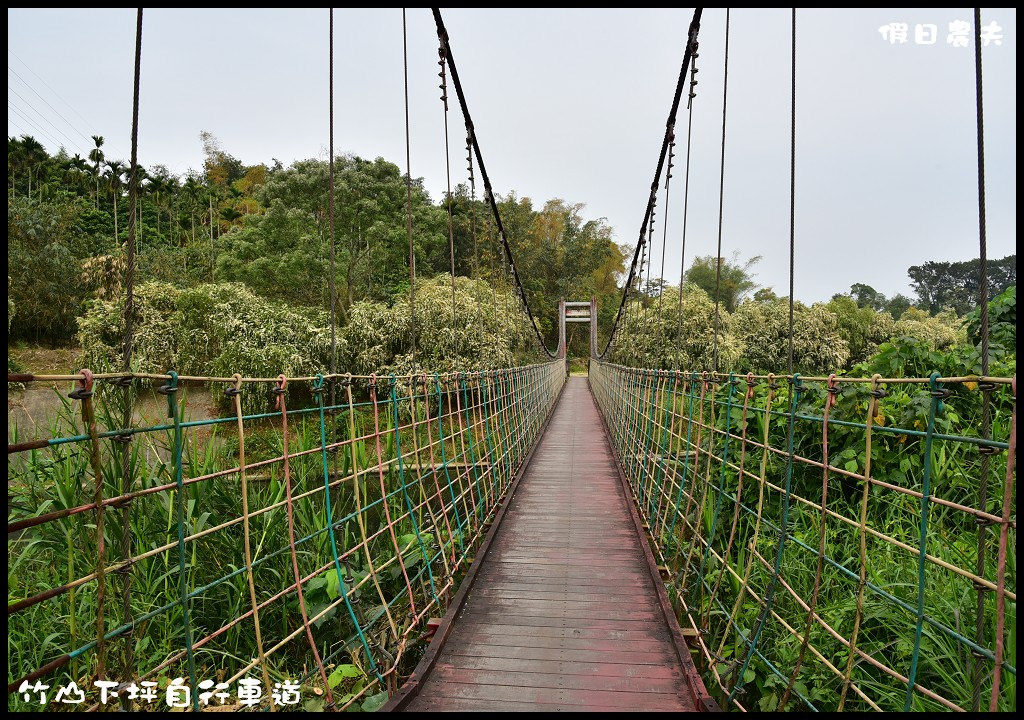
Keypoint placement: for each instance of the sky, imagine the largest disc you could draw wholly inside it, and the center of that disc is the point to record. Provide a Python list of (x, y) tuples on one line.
[(571, 104)]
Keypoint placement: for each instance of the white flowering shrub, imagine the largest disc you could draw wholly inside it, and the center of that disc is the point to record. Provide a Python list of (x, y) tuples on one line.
[(940, 331), (763, 328), (682, 336), (210, 330), (489, 331)]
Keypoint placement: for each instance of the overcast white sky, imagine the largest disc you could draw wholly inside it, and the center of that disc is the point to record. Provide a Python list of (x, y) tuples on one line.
[(572, 104)]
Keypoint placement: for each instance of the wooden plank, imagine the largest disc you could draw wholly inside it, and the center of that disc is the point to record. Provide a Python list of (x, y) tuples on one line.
[(561, 667), (479, 616), (638, 683), (580, 699), (648, 653), (552, 634)]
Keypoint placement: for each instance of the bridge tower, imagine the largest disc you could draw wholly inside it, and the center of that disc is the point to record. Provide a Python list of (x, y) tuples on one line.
[(577, 312)]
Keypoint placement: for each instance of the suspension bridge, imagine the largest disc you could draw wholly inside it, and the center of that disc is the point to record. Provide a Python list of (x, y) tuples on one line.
[(513, 539)]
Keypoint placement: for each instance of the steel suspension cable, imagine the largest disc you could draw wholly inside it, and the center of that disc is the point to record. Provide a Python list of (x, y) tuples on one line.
[(670, 122), (442, 35)]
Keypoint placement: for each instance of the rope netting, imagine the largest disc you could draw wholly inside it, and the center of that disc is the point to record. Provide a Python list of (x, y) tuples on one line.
[(306, 543), (819, 536)]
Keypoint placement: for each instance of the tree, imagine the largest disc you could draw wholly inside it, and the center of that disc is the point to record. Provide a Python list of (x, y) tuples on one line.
[(867, 297), (45, 248), (681, 336), (282, 252), (735, 283), (863, 328), (115, 178), (898, 304), (33, 154), (955, 284), (96, 155)]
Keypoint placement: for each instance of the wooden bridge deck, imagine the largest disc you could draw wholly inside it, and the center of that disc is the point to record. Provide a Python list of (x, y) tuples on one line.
[(562, 608)]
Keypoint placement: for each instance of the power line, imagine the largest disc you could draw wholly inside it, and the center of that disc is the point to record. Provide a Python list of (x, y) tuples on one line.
[(58, 95), (71, 142), (36, 130), (17, 127), (25, 83)]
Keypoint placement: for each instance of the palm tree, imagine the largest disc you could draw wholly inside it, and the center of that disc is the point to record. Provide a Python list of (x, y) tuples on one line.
[(156, 188), (115, 177), (96, 155), (142, 188), (34, 153), (192, 191), (76, 169)]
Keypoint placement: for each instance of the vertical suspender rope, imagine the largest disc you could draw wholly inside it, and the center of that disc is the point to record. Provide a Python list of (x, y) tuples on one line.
[(664, 235), (792, 193), (649, 254), (129, 341), (721, 200), (133, 193), (794, 392), (448, 175), (476, 251), (686, 200), (986, 388), (408, 200), (330, 201)]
